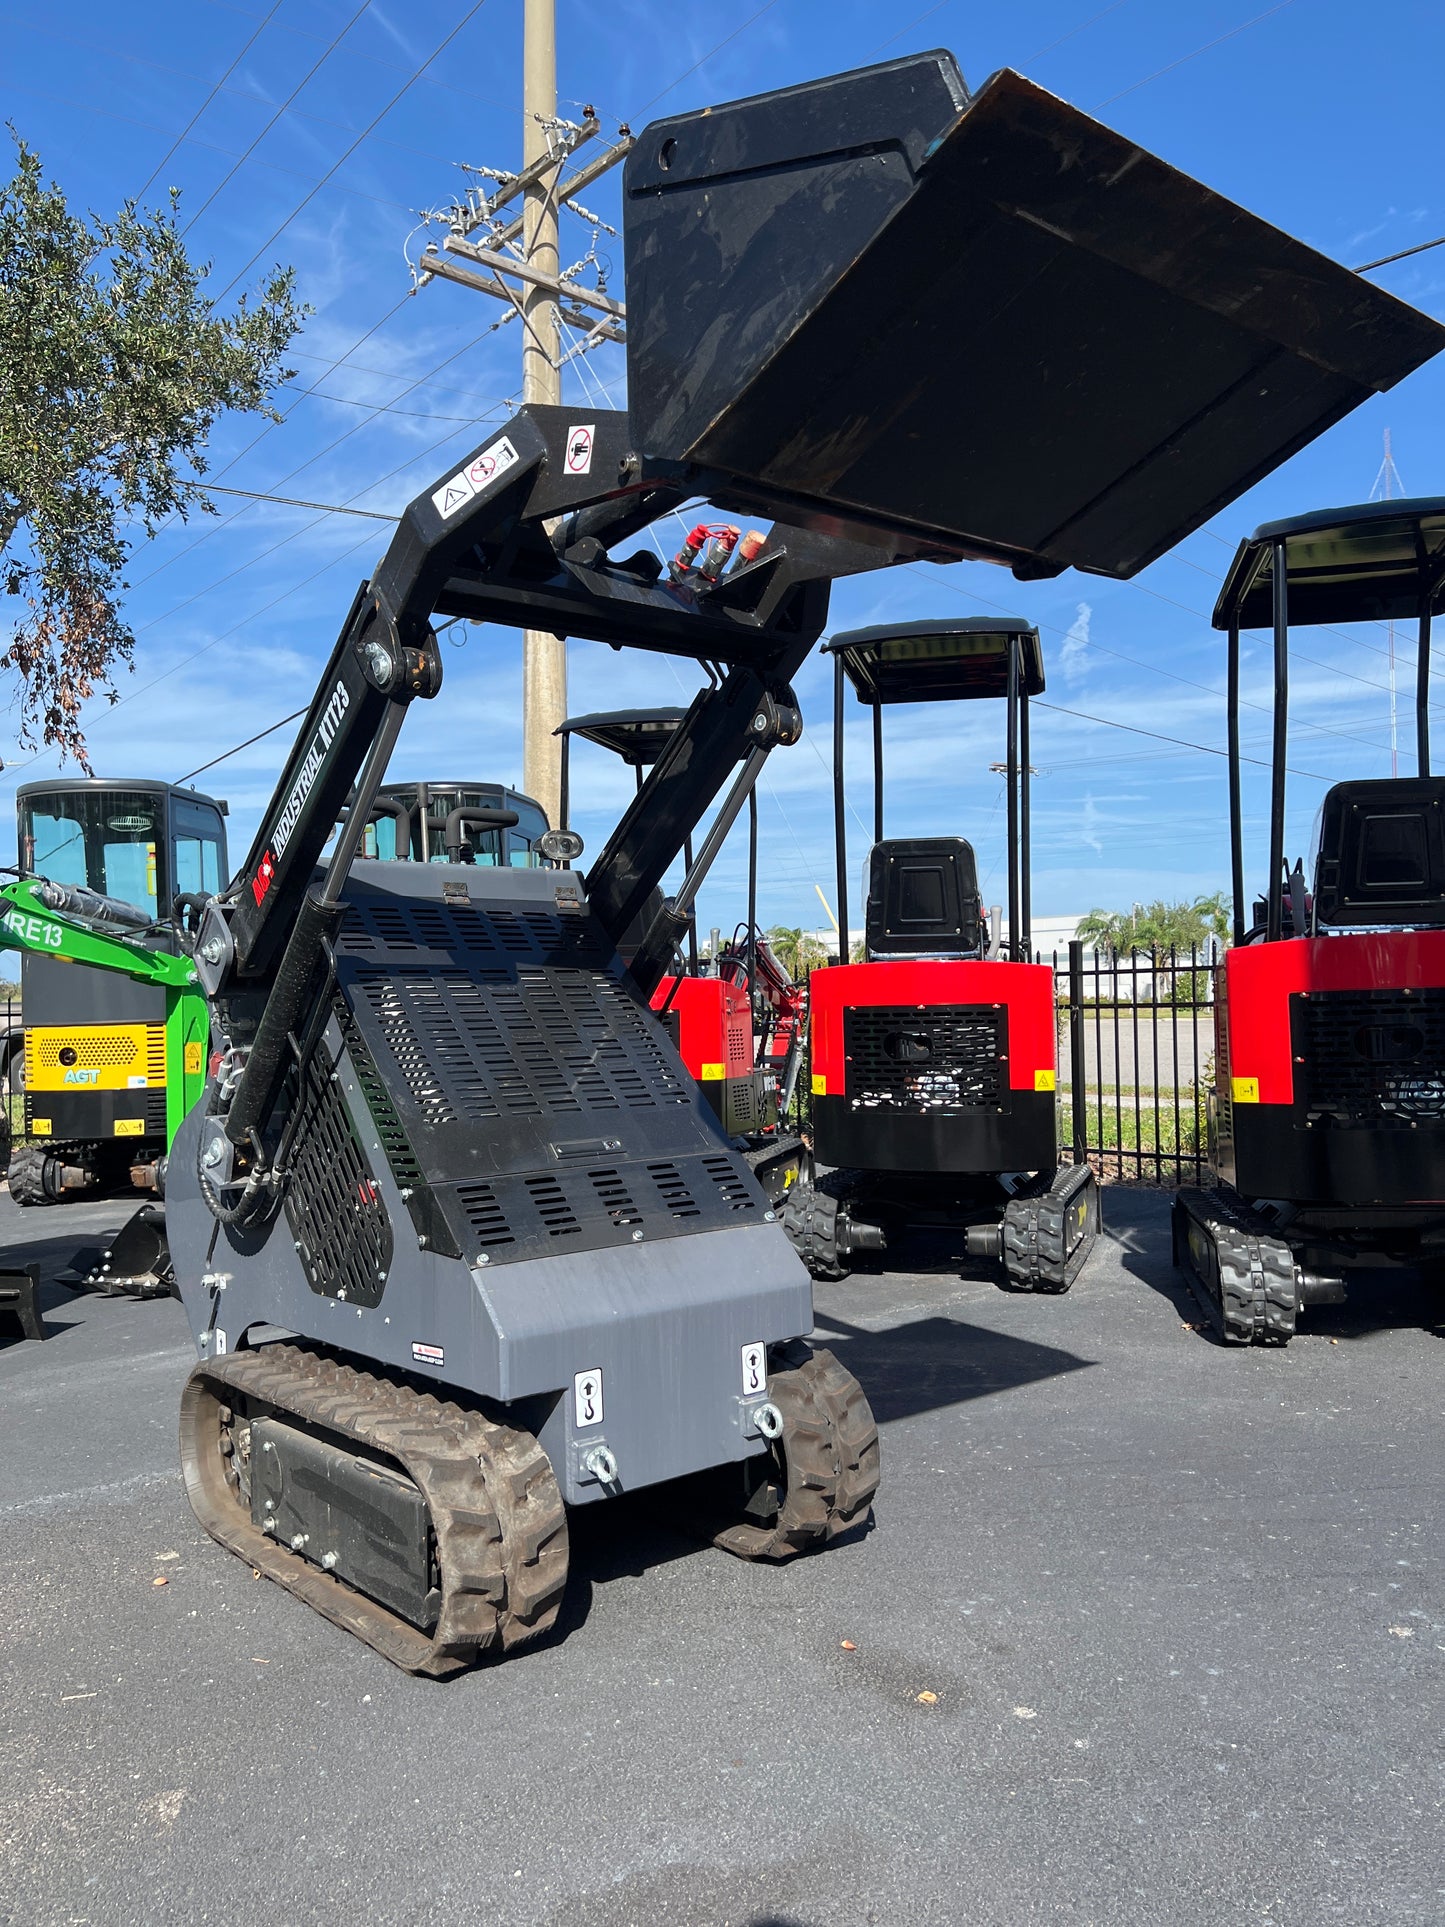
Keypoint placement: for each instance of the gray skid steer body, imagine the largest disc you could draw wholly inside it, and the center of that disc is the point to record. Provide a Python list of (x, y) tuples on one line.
[(512, 1184)]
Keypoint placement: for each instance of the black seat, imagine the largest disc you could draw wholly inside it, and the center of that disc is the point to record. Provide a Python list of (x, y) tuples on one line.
[(923, 899), (1382, 854)]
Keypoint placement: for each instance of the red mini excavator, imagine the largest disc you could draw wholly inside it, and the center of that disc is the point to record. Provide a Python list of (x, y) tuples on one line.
[(711, 1017), (1328, 1110), (933, 1060)]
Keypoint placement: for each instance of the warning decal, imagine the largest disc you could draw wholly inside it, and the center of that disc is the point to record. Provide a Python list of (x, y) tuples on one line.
[(579, 448), (471, 480), (428, 1354)]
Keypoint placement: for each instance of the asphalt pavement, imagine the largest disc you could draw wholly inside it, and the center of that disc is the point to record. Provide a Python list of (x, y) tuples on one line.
[(1146, 1631)]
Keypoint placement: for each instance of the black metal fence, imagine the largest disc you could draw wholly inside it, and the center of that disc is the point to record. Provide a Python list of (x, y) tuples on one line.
[(1135, 1053)]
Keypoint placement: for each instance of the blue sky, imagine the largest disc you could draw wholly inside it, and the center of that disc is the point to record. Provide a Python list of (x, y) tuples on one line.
[(1317, 115)]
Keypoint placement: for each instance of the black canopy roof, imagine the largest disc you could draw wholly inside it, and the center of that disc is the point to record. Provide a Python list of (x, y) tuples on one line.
[(934, 662), (1374, 562), (638, 736)]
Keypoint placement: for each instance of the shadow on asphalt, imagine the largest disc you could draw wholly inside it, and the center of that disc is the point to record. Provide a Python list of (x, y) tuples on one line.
[(52, 1255), (936, 1362), (1380, 1300), (919, 1367)]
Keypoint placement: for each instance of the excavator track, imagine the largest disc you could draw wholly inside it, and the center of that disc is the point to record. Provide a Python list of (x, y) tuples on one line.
[(496, 1526), (824, 1469), (1049, 1230), (1242, 1274)]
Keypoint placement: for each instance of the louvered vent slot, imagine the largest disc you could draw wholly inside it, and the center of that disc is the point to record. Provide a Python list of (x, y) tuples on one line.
[(336, 1214), (730, 1183), (615, 1198), (485, 1216), (390, 998), (556, 1214), (677, 1200), (394, 1141)]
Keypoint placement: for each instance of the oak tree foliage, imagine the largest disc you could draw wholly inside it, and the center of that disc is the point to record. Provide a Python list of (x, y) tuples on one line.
[(114, 368)]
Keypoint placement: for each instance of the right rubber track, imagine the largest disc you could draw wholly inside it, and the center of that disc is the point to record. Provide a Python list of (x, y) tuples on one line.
[(830, 1460), (496, 1512)]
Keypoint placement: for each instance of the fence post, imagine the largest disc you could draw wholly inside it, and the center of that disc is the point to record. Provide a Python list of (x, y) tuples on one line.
[(1076, 1050)]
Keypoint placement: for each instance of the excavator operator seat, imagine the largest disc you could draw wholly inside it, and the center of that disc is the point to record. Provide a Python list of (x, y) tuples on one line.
[(923, 900), (1381, 856)]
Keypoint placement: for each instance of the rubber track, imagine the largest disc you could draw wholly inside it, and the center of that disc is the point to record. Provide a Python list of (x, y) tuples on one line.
[(1252, 1297), (810, 1218), (830, 1455), (496, 1512), (1035, 1234)]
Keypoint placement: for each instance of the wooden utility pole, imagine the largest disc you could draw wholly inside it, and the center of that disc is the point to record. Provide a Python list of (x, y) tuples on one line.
[(544, 657), (516, 261)]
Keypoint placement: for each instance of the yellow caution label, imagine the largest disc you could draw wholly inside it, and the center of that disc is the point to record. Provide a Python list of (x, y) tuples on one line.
[(130, 1127), (820, 1085), (1246, 1089), (1044, 1080), (712, 1073), (95, 1057), (195, 1059), (42, 1127)]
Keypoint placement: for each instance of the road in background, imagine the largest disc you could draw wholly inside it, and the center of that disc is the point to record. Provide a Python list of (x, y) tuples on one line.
[(1178, 1609)]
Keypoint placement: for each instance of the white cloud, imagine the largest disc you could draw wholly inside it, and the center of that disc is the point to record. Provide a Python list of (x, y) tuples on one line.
[(1071, 654)]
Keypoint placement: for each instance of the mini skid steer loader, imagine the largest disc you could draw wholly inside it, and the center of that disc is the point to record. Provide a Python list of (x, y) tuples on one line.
[(445, 1147)]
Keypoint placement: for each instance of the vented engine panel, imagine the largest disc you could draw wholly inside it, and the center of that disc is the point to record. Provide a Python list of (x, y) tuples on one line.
[(524, 1099), (1371, 1057), (925, 1061)]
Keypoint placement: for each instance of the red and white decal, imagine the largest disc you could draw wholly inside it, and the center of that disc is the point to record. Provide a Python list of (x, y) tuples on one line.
[(579, 448), (261, 882), (428, 1355)]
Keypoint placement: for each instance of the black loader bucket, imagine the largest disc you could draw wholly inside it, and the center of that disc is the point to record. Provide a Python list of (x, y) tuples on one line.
[(136, 1262), (984, 323)]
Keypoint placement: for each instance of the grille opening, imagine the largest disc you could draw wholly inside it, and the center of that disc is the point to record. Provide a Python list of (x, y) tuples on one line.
[(1372, 1057), (615, 1198), (730, 1183), (485, 1215), (676, 1198), (925, 1062), (555, 1212), (335, 1211)]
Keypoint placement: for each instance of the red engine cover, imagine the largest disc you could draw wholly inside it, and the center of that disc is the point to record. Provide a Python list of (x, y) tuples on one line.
[(1026, 990), (1260, 978), (714, 1024)]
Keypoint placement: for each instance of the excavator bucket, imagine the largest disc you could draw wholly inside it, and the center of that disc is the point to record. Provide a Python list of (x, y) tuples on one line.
[(136, 1263), (984, 323)]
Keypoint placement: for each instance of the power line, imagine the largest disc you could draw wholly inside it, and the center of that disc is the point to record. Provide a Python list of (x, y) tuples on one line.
[(180, 138), (293, 502), (728, 39), (1184, 59), (304, 81), (227, 754), (1180, 742), (1153, 669), (1404, 255), (375, 121)]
